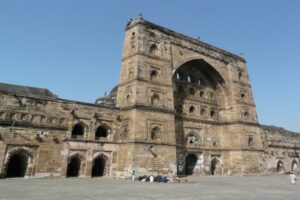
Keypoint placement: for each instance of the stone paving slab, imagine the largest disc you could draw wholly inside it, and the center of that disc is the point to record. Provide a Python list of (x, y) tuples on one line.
[(199, 187)]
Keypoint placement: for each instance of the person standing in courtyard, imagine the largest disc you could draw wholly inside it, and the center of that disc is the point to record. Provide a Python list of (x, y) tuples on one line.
[(293, 178), (133, 174)]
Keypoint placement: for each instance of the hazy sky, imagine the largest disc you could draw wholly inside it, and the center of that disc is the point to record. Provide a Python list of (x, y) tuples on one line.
[(74, 47)]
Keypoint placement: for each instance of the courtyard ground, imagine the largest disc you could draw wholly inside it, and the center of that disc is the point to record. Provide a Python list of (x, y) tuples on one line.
[(198, 187)]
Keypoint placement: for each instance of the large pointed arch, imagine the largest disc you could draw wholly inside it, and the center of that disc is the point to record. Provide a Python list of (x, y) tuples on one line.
[(200, 65), (189, 58)]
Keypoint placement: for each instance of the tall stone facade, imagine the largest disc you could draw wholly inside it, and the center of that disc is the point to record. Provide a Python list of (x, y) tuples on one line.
[(181, 107)]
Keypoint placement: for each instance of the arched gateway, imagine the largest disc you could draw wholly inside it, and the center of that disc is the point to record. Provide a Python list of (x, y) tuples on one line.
[(190, 163), (215, 166), (99, 164), (74, 167), (17, 165)]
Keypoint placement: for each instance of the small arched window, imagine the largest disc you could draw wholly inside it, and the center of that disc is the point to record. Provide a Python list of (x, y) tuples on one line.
[(212, 113), (101, 132), (190, 79), (240, 75), (13, 116), (43, 119), (215, 141), (192, 110), (130, 73), (246, 115), (24, 117), (128, 97), (153, 49), (280, 166), (250, 141), (200, 82), (78, 131), (179, 76), (153, 74), (243, 95), (193, 139), (155, 133), (155, 99), (125, 133)]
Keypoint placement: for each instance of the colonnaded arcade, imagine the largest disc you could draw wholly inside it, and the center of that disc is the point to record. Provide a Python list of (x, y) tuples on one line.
[(181, 107)]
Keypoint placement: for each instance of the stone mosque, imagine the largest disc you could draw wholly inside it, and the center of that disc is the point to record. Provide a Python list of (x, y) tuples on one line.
[(181, 107)]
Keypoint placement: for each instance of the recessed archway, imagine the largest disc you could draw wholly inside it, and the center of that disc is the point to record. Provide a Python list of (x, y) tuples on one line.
[(99, 166), (17, 165), (78, 131), (102, 132), (74, 167), (212, 87), (280, 166), (190, 163), (294, 166), (201, 70), (215, 166)]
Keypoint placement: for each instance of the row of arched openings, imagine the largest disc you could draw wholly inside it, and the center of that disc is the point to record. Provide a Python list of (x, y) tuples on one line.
[(75, 166), (79, 129), (281, 167), (17, 165)]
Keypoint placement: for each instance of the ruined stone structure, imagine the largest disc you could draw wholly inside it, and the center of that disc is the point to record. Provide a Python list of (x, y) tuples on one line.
[(182, 106)]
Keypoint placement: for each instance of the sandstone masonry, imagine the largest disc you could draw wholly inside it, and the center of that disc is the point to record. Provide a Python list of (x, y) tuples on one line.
[(181, 107)]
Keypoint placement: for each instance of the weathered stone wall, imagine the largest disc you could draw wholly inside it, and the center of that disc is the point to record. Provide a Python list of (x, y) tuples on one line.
[(181, 106), (44, 127), (281, 150)]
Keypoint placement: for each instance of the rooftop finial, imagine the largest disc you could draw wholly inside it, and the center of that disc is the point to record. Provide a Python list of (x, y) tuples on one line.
[(129, 21), (140, 16)]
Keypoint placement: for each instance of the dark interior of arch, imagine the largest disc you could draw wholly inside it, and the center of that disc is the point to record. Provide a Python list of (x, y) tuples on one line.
[(294, 165), (190, 163), (17, 165), (101, 132), (73, 167), (78, 130), (280, 166), (196, 76), (98, 167), (199, 70), (214, 163)]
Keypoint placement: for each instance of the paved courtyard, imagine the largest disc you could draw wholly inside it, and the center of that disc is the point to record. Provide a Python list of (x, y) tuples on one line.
[(199, 187)]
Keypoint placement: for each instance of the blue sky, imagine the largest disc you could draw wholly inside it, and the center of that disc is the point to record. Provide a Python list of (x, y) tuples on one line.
[(74, 47)]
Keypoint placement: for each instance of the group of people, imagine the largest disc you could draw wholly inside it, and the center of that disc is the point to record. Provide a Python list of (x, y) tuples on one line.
[(158, 178), (175, 179), (151, 179)]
